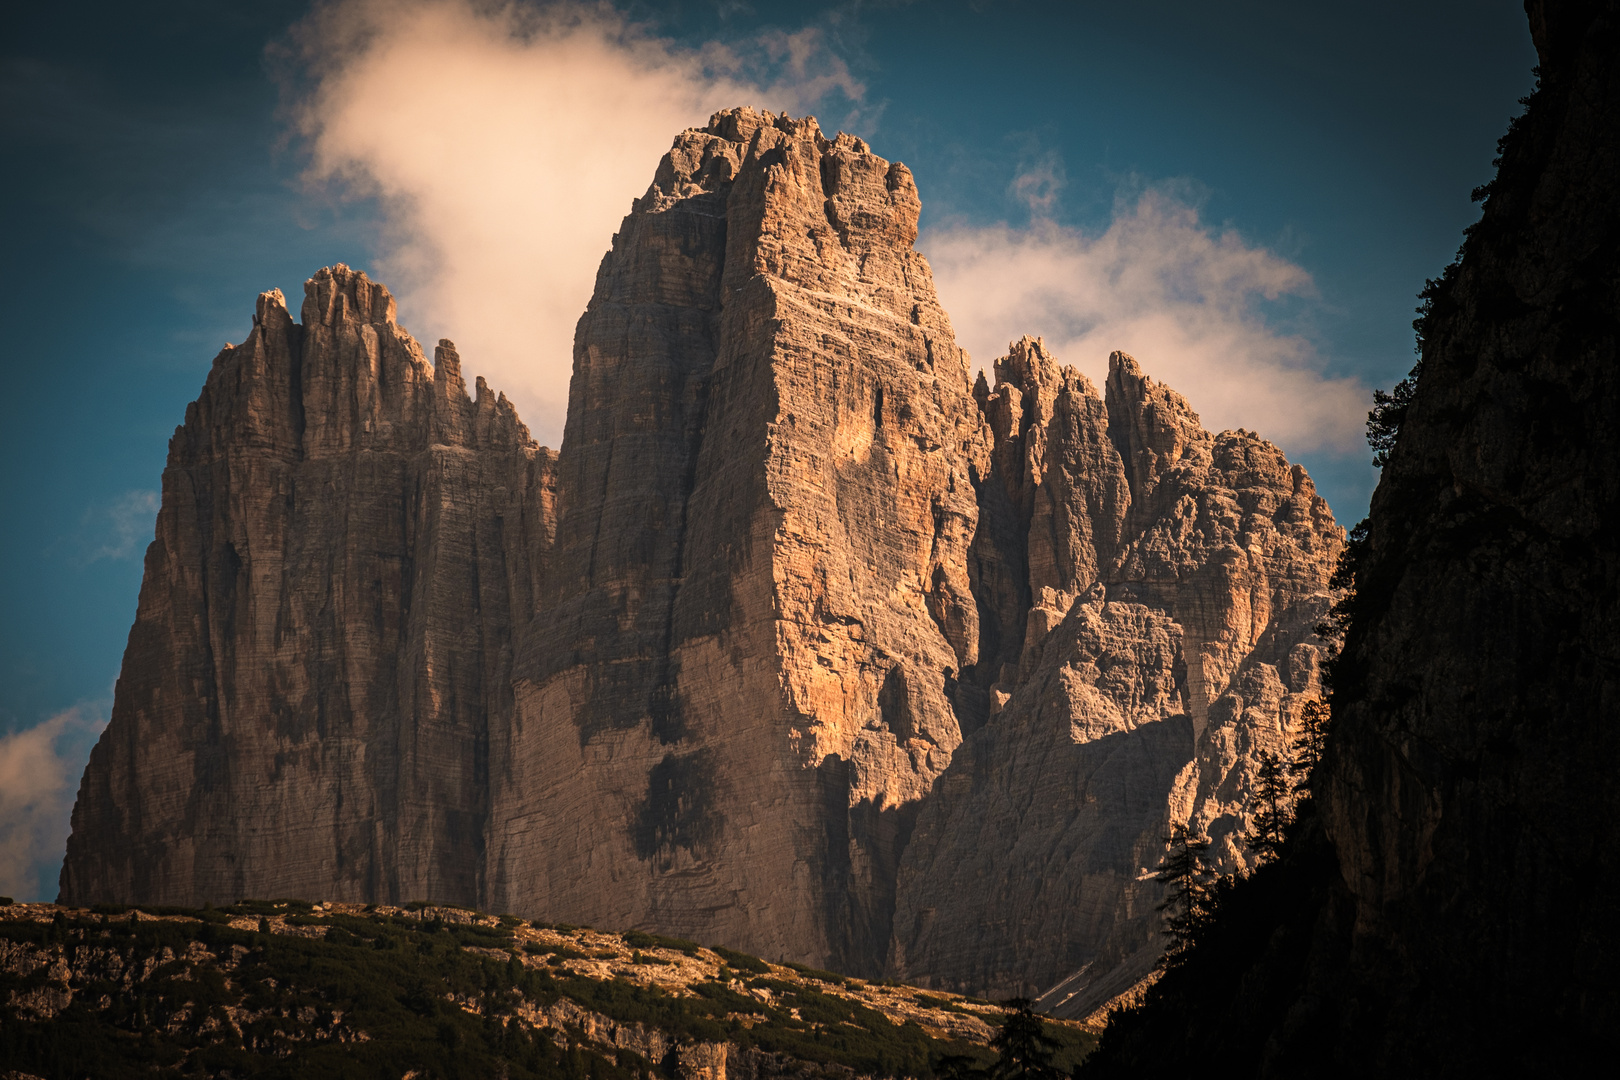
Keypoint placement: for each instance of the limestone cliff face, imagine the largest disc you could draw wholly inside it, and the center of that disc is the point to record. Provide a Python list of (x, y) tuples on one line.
[(759, 593), (708, 670), (1200, 571), (1052, 507), (323, 636)]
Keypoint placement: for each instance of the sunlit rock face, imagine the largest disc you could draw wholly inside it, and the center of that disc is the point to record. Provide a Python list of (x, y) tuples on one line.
[(322, 643), (739, 694), (709, 669)]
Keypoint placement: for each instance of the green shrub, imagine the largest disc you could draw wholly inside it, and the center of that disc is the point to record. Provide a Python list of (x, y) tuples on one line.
[(943, 1004), (637, 939), (642, 959), (742, 961), (558, 953), (724, 995), (816, 973)]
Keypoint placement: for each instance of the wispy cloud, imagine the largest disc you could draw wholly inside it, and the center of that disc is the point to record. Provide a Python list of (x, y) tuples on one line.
[(505, 142), (39, 779), (1038, 185), (119, 530), (1184, 298)]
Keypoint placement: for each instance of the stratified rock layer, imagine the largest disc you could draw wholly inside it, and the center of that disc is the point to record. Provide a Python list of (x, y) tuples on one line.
[(759, 591), (701, 671), (322, 643)]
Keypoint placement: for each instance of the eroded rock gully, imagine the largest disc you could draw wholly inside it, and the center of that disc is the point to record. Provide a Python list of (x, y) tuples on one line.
[(708, 669)]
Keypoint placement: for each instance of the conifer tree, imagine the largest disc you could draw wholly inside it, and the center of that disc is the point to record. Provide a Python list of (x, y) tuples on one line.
[(958, 1067), (1271, 815), (1314, 720), (1026, 1049), (1188, 901)]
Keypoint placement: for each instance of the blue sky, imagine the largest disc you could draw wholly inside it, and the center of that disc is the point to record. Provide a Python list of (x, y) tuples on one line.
[(158, 180)]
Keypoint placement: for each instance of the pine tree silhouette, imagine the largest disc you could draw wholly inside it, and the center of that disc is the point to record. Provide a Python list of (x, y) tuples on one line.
[(1026, 1049), (1272, 811), (1314, 720), (958, 1067), (1189, 901)]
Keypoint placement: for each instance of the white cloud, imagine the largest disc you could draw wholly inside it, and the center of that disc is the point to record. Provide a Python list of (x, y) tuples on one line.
[(1178, 295), (120, 531), (39, 779), (505, 142)]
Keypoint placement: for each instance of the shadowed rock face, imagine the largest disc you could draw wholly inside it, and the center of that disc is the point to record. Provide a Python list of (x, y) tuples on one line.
[(708, 669), (1449, 909), (322, 643), (1189, 651), (1472, 795)]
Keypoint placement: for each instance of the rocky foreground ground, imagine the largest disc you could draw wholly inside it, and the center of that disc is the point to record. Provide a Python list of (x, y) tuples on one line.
[(273, 988)]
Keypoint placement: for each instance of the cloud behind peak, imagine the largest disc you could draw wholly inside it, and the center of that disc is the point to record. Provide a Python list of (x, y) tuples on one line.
[(1185, 299), (504, 144)]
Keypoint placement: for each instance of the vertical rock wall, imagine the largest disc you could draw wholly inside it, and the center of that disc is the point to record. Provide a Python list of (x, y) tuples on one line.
[(1471, 796), (742, 688), (323, 636), (1448, 906)]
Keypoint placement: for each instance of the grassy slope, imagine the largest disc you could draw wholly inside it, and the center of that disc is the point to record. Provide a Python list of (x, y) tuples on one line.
[(286, 989)]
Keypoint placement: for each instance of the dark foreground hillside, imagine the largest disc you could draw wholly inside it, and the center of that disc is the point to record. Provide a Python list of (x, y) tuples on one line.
[(288, 989), (1450, 905)]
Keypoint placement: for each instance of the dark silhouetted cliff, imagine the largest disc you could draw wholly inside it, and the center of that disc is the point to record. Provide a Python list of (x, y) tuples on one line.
[(1451, 906)]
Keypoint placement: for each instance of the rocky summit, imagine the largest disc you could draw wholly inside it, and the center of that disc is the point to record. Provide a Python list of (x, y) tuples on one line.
[(805, 641)]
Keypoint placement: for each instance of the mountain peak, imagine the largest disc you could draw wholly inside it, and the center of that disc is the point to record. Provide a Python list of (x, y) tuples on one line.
[(723, 665)]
